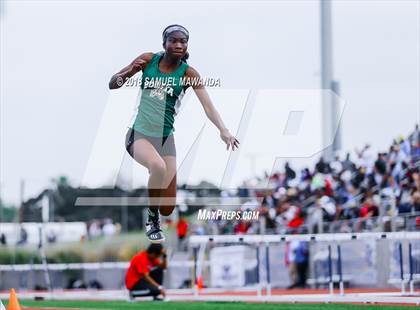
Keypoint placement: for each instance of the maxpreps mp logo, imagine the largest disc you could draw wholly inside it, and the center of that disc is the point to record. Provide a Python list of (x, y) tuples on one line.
[(219, 214), (292, 121)]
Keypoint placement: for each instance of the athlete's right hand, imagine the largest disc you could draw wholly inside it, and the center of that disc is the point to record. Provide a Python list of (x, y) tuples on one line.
[(138, 64)]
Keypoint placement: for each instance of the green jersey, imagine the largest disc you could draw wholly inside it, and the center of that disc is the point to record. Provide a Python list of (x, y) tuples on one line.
[(160, 99)]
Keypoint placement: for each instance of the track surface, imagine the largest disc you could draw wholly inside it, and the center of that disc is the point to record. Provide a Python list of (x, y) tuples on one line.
[(310, 299)]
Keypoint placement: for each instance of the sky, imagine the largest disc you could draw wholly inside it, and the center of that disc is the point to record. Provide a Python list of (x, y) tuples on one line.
[(56, 58)]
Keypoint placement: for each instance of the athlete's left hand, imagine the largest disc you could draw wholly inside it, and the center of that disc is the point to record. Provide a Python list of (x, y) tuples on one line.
[(230, 140)]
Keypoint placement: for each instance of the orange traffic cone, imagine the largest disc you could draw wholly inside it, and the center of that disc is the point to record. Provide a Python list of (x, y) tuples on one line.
[(13, 301), (199, 282)]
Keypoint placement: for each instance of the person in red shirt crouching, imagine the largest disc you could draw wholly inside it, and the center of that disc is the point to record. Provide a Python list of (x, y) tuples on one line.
[(144, 276)]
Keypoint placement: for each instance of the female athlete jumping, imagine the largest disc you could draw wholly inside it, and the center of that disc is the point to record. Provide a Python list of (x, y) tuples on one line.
[(150, 140)]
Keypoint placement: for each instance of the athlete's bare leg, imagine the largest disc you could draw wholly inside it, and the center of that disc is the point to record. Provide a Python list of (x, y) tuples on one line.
[(146, 155), (168, 192)]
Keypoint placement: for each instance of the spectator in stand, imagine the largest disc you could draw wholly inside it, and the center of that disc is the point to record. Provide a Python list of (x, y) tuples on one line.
[(396, 159), (405, 146), (415, 201), (415, 136), (416, 180), (336, 165), (403, 207), (314, 219), (365, 157), (342, 192), (297, 221), (242, 227), (322, 166), (415, 155), (380, 164), (328, 208), (348, 164), (270, 223), (367, 211), (288, 214), (290, 174), (305, 175)]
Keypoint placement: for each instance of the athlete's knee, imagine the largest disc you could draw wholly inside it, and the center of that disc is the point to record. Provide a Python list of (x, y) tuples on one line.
[(169, 183), (157, 167)]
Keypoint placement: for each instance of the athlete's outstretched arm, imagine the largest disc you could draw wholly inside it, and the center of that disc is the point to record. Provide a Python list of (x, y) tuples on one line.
[(135, 66), (211, 111)]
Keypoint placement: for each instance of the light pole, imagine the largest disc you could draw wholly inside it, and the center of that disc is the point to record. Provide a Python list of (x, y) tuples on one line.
[(329, 109)]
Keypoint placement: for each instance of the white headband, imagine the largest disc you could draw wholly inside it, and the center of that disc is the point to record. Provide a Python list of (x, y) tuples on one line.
[(174, 28)]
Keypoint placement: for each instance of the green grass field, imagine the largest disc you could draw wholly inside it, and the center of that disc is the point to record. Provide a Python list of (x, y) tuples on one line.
[(195, 305)]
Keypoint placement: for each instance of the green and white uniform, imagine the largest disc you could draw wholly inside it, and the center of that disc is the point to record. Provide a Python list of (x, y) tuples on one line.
[(160, 99)]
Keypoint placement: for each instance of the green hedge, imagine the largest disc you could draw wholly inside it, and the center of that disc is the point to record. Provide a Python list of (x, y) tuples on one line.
[(18, 256), (71, 255), (118, 248)]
